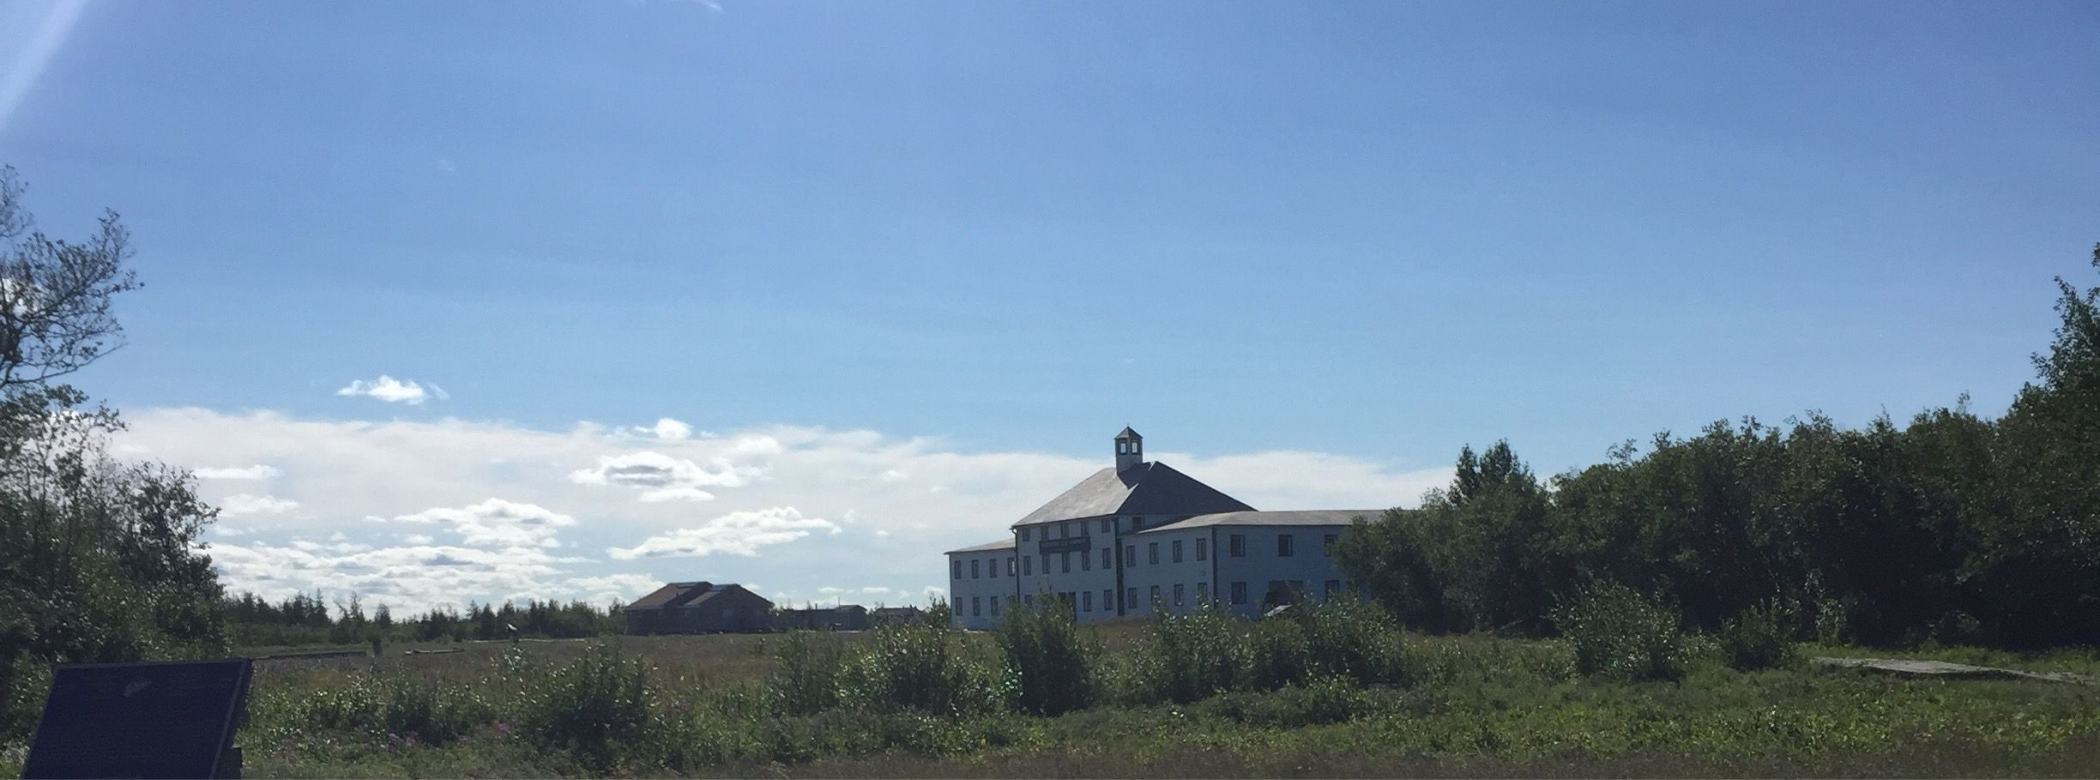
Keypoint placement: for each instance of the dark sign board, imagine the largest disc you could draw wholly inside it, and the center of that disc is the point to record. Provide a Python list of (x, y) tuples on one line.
[(140, 720), (1065, 545)]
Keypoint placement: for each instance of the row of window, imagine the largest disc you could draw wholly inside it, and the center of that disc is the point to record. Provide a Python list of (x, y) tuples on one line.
[(1236, 594), (1064, 529), (1286, 546)]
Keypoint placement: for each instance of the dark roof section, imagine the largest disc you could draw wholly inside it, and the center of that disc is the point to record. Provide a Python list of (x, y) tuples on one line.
[(680, 594), (1127, 432), (1144, 489), (1003, 544), (1329, 517)]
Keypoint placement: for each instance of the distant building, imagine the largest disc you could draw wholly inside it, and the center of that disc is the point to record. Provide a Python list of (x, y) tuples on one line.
[(892, 616), (699, 608), (1140, 535), (844, 617)]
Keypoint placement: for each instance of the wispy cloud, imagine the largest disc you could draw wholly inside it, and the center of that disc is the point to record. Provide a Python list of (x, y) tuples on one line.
[(390, 390), (497, 523), (28, 63), (246, 504), (736, 533), (253, 473)]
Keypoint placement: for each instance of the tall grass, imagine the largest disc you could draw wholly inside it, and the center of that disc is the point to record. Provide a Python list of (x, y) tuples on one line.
[(1619, 633)]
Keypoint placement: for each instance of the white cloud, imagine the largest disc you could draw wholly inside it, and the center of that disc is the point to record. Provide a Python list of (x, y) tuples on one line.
[(246, 504), (666, 478), (666, 429), (622, 588), (255, 472), (350, 470), (387, 389), (497, 523), (736, 533)]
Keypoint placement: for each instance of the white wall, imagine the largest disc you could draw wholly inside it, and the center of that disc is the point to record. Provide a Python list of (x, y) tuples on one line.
[(991, 582), (1309, 563)]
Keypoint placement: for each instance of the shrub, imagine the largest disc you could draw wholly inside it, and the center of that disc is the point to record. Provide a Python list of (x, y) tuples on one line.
[(1056, 670), (806, 677), (1618, 633), (1352, 639), (592, 707), (1759, 638), (1277, 655), (923, 667), (1190, 657)]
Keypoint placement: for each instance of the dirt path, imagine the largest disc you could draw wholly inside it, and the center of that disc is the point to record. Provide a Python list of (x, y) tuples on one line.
[(1910, 667)]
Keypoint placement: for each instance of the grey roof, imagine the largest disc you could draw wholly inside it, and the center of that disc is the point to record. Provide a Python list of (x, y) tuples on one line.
[(1128, 433), (682, 594), (1144, 489), (1003, 544), (1292, 517)]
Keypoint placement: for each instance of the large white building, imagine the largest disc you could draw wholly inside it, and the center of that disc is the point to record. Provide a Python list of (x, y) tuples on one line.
[(1141, 534)]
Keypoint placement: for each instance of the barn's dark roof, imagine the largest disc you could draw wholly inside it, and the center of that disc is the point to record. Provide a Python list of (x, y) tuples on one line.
[(1292, 517), (1144, 489), (1003, 544), (681, 594)]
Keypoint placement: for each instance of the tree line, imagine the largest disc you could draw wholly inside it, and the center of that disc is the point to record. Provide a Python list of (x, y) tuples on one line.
[(1953, 528), (306, 619)]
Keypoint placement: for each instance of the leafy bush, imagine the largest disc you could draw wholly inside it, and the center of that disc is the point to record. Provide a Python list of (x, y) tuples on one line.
[(1056, 670), (1277, 654), (593, 706), (923, 667), (1759, 638), (1190, 657), (1352, 639), (806, 677), (1618, 633), (406, 709)]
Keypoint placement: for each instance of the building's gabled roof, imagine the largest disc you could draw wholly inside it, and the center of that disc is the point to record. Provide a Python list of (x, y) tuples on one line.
[(681, 594), (1127, 433), (1003, 544), (1328, 517), (1144, 489)]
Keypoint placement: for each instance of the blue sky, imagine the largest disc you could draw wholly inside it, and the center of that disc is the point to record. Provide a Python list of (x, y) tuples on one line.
[(1348, 237)]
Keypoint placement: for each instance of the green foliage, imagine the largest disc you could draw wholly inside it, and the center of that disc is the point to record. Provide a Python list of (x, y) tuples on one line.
[(404, 709), (1191, 656), (1056, 669), (1618, 633), (806, 674), (1760, 638), (924, 667), (594, 706)]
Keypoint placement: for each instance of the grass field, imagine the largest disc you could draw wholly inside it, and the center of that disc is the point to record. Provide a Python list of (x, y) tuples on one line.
[(1472, 706)]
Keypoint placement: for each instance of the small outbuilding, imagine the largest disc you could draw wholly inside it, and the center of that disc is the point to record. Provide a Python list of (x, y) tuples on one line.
[(844, 617), (699, 608)]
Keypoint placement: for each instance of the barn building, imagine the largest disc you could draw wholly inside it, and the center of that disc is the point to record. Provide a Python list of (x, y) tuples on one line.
[(1140, 535), (699, 608)]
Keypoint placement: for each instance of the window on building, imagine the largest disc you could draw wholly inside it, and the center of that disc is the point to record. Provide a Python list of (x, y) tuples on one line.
[(1327, 545), (1202, 592), (991, 566), (1202, 549), (1009, 567), (1046, 564), (1239, 593), (1177, 551), (1028, 599), (1064, 560), (1027, 565), (1086, 601), (995, 606), (1129, 555), (1130, 598), (1333, 587), (1154, 597), (956, 564), (1152, 553), (1284, 545), (1108, 599), (1177, 594), (1108, 525), (976, 607), (974, 568), (1105, 560), (1086, 561), (1236, 544), (1024, 534), (1064, 530)]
